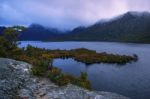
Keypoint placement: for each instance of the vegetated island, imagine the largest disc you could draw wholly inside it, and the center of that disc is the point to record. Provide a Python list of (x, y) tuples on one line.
[(41, 58), (91, 56)]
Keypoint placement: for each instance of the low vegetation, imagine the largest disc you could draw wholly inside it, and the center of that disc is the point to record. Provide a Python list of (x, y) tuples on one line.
[(90, 57), (41, 59)]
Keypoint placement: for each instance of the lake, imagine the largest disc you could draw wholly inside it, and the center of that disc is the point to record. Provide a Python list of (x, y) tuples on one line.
[(131, 80)]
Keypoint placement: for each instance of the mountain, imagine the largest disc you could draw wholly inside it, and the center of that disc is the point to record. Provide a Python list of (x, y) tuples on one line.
[(39, 32), (129, 27)]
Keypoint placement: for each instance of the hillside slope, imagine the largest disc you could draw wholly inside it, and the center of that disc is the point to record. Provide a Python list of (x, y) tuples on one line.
[(37, 32), (130, 27)]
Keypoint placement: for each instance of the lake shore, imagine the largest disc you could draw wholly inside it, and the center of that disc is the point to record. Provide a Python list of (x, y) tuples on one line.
[(22, 84), (108, 77)]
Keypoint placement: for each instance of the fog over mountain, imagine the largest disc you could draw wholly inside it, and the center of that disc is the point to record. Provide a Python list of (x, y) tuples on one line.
[(65, 14), (129, 27)]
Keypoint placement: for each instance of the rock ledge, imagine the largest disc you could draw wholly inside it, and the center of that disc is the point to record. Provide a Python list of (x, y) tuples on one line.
[(17, 82)]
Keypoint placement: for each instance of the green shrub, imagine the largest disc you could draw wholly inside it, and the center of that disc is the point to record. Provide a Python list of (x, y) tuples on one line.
[(62, 79), (40, 68)]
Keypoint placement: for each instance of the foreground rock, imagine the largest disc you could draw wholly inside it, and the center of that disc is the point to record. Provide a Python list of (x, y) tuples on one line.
[(17, 82)]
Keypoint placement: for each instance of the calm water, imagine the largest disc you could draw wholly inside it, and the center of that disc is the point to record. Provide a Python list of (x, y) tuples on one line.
[(132, 80)]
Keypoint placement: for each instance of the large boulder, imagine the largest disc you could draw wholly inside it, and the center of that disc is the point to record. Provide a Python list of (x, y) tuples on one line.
[(16, 82), (13, 75)]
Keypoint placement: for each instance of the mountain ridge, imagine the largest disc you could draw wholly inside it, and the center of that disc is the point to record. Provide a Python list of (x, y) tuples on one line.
[(128, 28), (131, 26)]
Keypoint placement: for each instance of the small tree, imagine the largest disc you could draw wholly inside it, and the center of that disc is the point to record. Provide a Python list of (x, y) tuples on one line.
[(11, 35), (8, 41)]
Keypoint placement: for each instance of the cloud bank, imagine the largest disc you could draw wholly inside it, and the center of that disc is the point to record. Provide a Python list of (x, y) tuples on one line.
[(65, 14)]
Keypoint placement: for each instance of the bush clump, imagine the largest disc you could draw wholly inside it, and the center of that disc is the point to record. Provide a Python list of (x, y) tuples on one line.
[(62, 79)]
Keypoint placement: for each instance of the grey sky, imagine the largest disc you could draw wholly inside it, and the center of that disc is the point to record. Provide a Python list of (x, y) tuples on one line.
[(65, 14)]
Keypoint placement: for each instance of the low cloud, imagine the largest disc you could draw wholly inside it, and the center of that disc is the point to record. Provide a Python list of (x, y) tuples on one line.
[(65, 14)]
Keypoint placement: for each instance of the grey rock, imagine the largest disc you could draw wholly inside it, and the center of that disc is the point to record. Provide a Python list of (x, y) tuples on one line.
[(13, 74), (17, 82)]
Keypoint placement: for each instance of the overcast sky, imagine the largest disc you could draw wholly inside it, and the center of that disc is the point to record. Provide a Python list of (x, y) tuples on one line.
[(65, 14)]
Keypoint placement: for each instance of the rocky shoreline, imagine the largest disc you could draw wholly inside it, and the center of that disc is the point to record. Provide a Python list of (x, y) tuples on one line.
[(16, 82)]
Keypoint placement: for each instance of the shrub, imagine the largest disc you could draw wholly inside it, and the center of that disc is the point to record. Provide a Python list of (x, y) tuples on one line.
[(40, 68)]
